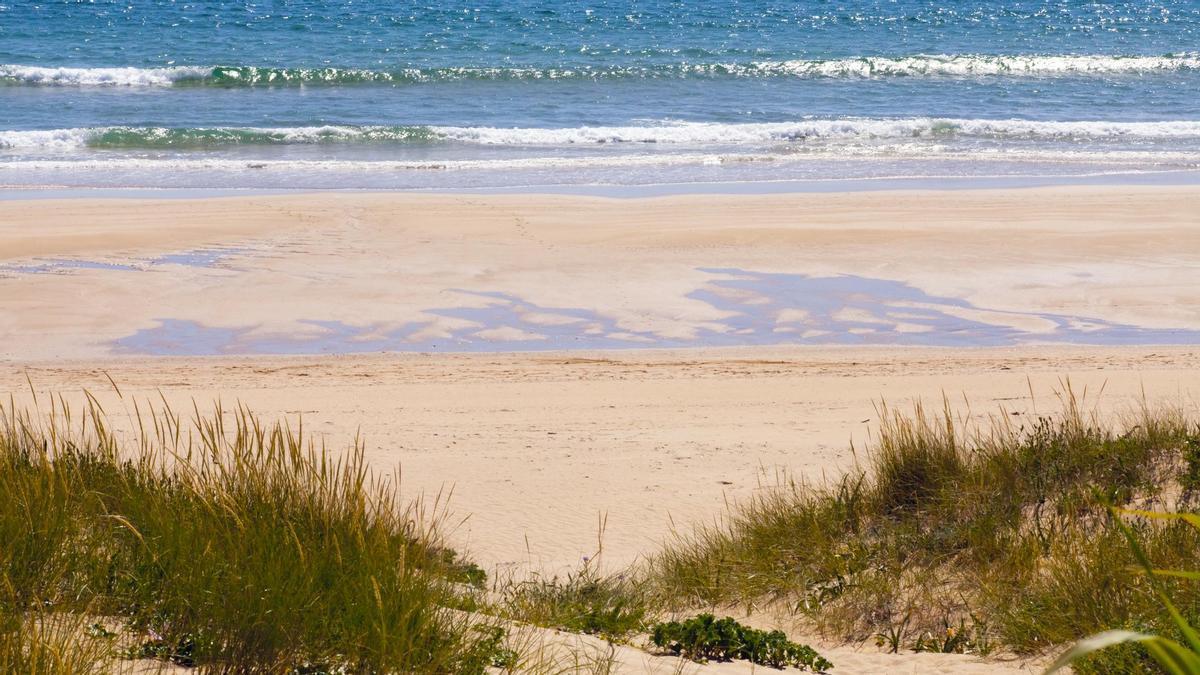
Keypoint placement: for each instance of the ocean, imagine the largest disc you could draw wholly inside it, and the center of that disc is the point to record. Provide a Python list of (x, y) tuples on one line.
[(367, 94)]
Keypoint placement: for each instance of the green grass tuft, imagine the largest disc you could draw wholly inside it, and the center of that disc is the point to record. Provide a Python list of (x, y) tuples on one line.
[(613, 607), (957, 540), (226, 544)]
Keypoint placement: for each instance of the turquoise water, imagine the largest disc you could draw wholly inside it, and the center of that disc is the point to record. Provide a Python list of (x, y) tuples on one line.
[(372, 94)]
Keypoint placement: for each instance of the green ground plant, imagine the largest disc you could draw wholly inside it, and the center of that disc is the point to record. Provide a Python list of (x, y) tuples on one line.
[(706, 638)]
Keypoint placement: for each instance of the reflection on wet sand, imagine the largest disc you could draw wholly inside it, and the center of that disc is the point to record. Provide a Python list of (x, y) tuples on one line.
[(759, 308)]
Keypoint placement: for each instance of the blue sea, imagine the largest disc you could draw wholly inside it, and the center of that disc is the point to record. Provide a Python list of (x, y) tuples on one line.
[(516, 94)]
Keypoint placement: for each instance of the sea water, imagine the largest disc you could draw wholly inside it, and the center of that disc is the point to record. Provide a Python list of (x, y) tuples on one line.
[(503, 94)]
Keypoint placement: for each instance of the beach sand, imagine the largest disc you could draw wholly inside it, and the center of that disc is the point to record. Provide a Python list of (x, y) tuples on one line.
[(367, 272), (540, 448)]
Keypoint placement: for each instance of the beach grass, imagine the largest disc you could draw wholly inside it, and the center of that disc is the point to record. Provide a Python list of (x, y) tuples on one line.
[(611, 606), (223, 543), (949, 536)]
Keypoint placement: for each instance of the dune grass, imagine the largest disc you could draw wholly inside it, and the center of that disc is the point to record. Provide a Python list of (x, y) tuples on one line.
[(222, 543), (234, 546), (614, 607), (33, 645), (953, 540), (1134, 649)]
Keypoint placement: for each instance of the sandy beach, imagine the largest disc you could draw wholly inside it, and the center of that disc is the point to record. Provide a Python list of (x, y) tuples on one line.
[(352, 336), (538, 448), (341, 273), (238, 299), (558, 362)]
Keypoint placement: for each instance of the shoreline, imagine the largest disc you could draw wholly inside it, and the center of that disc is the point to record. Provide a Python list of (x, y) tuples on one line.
[(934, 183)]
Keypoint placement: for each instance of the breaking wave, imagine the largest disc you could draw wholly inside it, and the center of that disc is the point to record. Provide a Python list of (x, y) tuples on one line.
[(925, 65)]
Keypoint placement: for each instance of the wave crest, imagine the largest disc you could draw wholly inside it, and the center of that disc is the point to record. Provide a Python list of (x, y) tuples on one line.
[(198, 138), (927, 65), (99, 77)]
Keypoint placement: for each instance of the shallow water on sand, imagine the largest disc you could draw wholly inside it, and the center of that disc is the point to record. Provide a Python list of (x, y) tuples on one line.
[(762, 309)]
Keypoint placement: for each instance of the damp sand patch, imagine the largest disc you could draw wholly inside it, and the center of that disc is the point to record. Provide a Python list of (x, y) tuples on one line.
[(758, 309)]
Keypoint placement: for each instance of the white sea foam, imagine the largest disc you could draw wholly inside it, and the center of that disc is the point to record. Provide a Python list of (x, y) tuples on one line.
[(50, 139), (910, 151), (92, 77), (704, 133), (794, 135)]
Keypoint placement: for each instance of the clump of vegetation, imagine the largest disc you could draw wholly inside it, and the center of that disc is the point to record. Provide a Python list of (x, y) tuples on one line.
[(964, 638), (1132, 651), (32, 644), (610, 606), (951, 539), (226, 544), (706, 638), (221, 543)]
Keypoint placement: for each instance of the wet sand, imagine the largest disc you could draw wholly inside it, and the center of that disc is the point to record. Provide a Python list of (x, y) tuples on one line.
[(340, 273)]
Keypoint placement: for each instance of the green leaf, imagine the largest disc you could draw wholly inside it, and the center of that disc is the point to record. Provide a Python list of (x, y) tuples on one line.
[(1182, 574), (1096, 643), (1181, 623), (1192, 519), (1172, 656)]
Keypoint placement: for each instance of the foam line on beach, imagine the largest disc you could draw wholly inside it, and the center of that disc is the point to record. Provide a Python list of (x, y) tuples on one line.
[(1120, 160), (665, 133)]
